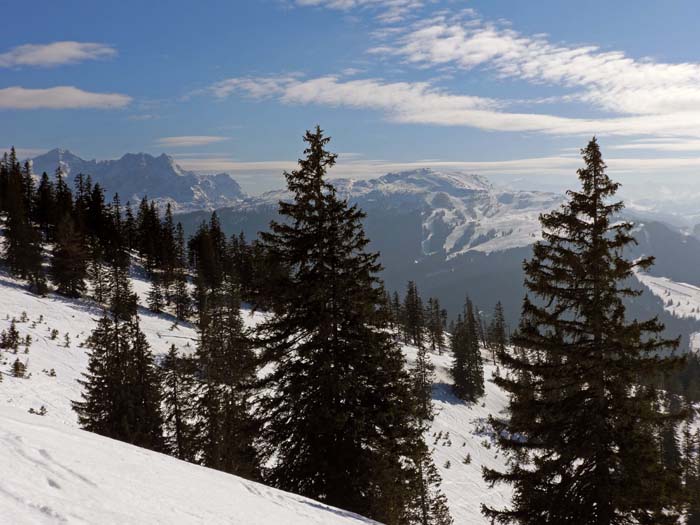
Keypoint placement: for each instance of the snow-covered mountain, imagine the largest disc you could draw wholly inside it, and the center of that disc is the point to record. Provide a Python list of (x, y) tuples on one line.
[(460, 212), (53, 472), (136, 175)]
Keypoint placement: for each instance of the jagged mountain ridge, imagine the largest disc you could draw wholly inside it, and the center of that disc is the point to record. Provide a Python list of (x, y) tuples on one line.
[(136, 175)]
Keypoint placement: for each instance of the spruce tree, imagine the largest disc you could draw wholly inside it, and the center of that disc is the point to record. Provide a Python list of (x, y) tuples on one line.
[(178, 390), (436, 334), (179, 294), (475, 368), (121, 390), (339, 413), (467, 367), (45, 207), (156, 295), (413, 315), (430, 505), (19, 369), (423, 374), (584, 444), (9, 339), (497, 338), (69, 259), (227, 365), (22, 247)]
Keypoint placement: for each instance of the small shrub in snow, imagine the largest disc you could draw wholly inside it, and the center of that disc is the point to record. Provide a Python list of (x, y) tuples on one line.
[(53, 334), (40, 412), (9, 339), (467, 459), (24, 317), (448, 464), (18, 368)]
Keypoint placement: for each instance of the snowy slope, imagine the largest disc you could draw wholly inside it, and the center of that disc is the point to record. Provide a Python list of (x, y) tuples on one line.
[(56, 474), (680, 299), (76, 318), (456, 432)]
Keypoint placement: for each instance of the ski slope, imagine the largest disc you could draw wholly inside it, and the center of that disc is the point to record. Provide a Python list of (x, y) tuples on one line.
[(118, 483), (680, 299), (53, 473)]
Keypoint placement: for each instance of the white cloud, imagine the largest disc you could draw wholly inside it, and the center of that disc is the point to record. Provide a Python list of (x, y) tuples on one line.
[(421, 103), (661, 144), (143, 117), (59, 97), (55, 54), (611, 80), (390, 11), (189, 140)]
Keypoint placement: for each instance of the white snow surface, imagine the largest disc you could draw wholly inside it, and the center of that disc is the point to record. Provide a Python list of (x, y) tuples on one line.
[(56, 473), (680, 299)]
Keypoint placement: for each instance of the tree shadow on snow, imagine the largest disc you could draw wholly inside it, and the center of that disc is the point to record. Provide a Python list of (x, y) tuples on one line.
[(443, 392)]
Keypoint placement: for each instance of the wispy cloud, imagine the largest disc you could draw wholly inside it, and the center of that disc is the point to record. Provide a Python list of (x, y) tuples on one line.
[(189, 140), (610, 80), (55, 54), (389, 11), (143, 117), (59, 97), (661, 144), (422, 103)]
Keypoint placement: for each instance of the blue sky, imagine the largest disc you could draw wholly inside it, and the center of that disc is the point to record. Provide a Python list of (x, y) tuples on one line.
[(509, 89)]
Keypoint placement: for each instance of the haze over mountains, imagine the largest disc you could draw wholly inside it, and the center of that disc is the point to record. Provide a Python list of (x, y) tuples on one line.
[(454, 233)]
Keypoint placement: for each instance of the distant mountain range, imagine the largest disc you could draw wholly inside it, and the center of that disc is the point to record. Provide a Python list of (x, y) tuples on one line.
[(136, 175), (453, 233), (455, 212)]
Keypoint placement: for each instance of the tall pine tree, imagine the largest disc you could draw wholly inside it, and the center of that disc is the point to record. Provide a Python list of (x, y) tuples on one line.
[(584, 444), (227, 365), (339, 421), (121, 390), (179, 410), (467, 367)]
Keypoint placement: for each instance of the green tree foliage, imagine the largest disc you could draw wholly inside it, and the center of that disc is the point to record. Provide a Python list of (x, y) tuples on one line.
[(121, 390), (497, 339), (179, 409), (339, 412), (585, 443), (69, 259), (413, 315), (467, 366), (227, 365)]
